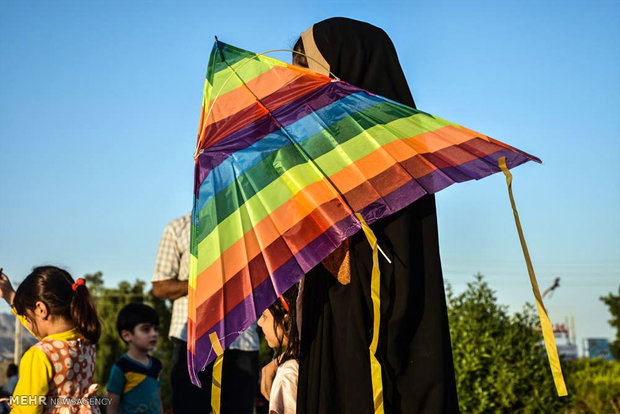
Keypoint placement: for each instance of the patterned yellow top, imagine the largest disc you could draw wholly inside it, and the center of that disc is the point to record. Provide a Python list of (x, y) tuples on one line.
[(60, 365)]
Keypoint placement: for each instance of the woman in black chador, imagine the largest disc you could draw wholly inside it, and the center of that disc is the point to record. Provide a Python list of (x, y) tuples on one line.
[(336, 322)]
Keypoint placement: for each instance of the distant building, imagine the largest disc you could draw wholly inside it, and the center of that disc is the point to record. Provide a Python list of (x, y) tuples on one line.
[(568, 352), (567, 348), (599, 348)]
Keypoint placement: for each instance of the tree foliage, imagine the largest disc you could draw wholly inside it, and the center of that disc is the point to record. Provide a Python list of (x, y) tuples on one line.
[(109, 302), (500, 362), (593, 386), (613, 303)]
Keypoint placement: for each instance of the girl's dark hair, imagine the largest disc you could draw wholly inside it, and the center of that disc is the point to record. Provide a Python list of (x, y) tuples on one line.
[(287, 320), (54, 287), (298, 58)]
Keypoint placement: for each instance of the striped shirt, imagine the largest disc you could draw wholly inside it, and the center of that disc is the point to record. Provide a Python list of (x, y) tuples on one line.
[(172, 262)]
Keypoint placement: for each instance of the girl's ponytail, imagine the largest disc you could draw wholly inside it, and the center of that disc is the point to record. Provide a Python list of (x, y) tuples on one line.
[(63, 297), (83, 312)]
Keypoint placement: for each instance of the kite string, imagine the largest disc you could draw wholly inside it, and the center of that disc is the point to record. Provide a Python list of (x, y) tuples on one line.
[(297, 145)]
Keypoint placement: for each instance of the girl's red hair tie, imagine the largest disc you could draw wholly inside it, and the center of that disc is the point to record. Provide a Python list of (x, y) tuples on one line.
[(78, 282), (284, 303)]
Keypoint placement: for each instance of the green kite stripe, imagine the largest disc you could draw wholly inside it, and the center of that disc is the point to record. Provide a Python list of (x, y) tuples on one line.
[(247, 72), (352, 131), (317, 146), (254, 210), (262, 203)]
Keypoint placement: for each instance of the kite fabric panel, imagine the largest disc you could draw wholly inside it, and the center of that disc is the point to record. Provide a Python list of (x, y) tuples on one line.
[(285, 158)]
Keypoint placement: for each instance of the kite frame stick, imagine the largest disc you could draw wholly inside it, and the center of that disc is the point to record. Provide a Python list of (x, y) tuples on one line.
[(383, 253)]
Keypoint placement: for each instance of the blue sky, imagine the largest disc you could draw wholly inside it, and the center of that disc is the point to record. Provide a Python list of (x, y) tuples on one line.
[(100, 102)]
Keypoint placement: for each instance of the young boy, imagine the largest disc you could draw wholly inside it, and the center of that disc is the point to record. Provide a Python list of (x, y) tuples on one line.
[(134, 379)]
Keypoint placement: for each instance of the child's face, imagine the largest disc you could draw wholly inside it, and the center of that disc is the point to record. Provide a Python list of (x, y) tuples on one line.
[(274, 337), (143, 338)]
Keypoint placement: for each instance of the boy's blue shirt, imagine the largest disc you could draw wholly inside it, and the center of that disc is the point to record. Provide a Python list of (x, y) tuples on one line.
[(137, 384)]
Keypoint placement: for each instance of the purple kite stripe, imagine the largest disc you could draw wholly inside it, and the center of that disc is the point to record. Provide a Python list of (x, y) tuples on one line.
[(483, 167), (264, 295), (393, 202), (440, 179), (327, 242), (286, 115)]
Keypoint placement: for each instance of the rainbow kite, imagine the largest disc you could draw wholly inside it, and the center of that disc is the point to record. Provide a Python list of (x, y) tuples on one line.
[(285, 158)]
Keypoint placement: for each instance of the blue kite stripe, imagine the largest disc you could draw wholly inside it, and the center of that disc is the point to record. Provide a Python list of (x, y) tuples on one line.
[(234, 166)]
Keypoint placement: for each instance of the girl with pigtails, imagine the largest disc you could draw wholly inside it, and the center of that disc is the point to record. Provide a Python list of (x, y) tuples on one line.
[(55, 374)]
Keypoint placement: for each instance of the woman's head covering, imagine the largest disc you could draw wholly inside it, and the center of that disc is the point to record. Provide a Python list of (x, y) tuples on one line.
[(358, 53), (362, 55)]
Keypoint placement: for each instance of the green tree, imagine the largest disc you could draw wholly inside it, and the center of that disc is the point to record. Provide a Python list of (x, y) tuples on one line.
[(109, 302), (613, 303), (594, 386), (499, 359)]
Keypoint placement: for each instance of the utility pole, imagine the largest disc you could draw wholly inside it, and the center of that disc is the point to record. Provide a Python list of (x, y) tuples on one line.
[(17, 350), (584, 347)]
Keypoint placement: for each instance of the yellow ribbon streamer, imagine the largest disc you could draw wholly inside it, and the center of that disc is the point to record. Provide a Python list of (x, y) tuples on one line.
[(545, 323), (375, 367), (216, 385)]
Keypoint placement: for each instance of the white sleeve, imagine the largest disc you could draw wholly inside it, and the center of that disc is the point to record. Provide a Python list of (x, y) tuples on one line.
[(283, 397)]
